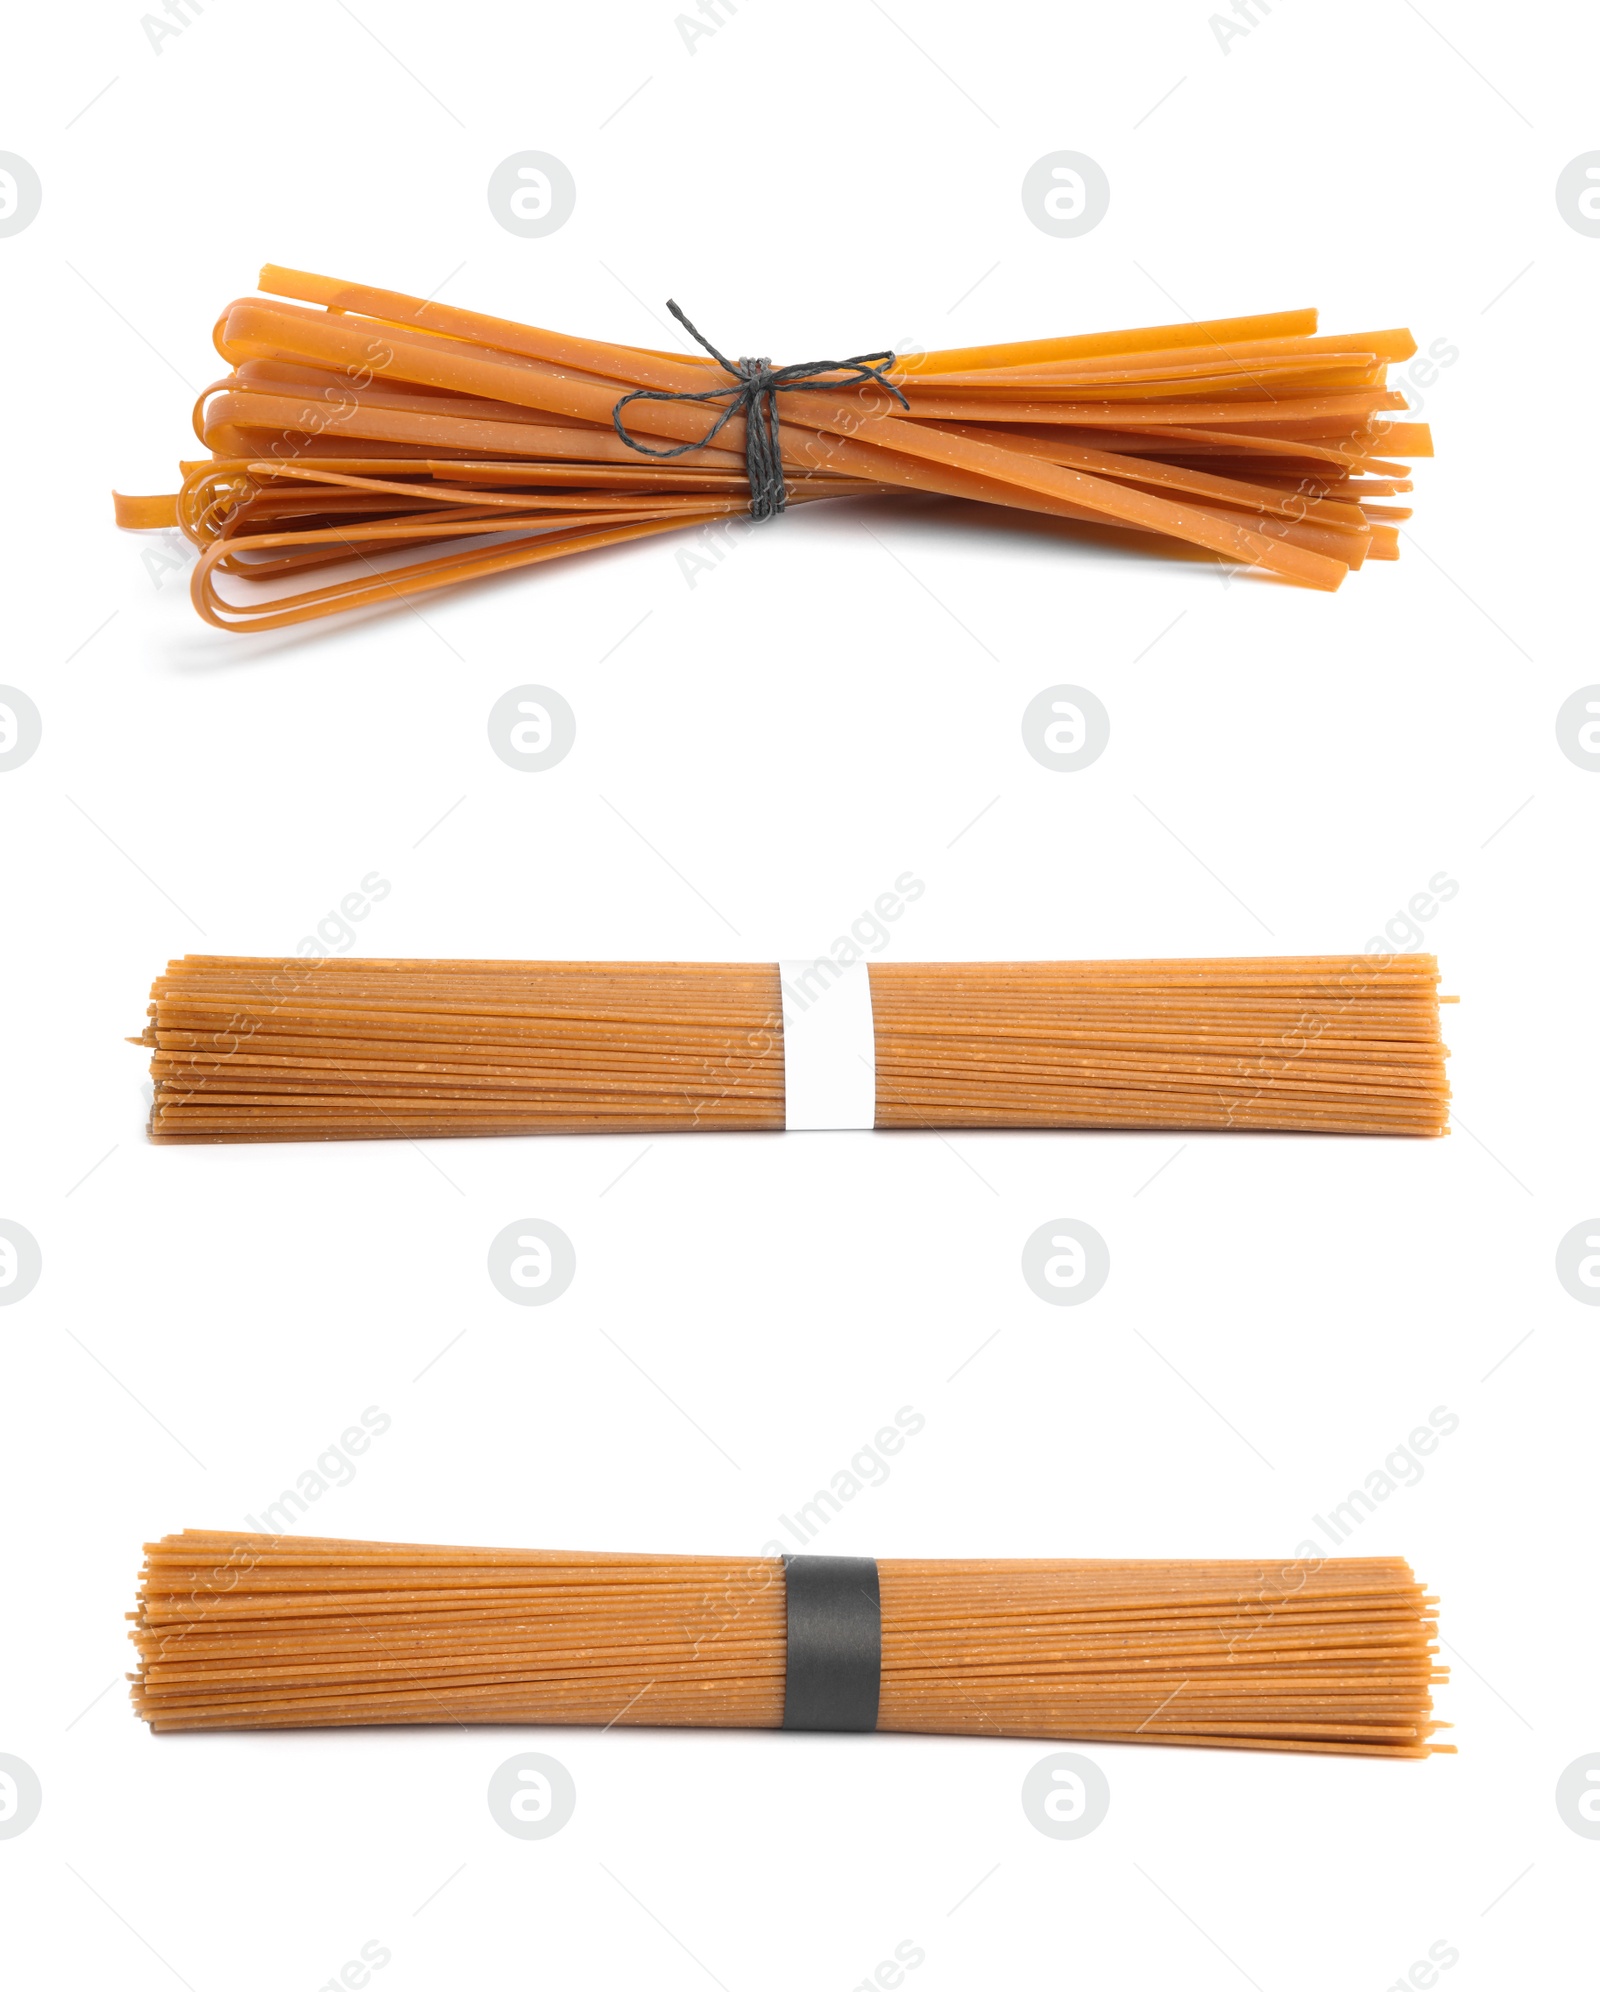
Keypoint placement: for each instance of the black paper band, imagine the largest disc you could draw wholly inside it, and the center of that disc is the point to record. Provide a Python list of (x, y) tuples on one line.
[(835, 1642)]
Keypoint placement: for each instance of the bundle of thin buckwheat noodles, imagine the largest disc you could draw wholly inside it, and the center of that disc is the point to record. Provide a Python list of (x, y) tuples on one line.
[(272, 1632), (328, 1048)]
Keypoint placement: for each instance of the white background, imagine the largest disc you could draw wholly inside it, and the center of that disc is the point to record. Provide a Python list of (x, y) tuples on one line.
[(757, 759)]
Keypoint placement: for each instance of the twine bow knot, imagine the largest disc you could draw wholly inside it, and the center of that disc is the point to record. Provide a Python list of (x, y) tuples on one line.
[(757, 384)]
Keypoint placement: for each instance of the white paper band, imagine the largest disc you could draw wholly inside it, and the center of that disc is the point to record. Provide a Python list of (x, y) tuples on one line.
[(830, 1062)]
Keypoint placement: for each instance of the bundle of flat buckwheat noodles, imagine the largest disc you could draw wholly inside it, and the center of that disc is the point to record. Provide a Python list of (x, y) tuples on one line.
[(329, 1048), (385, 445), (275, 1632)]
